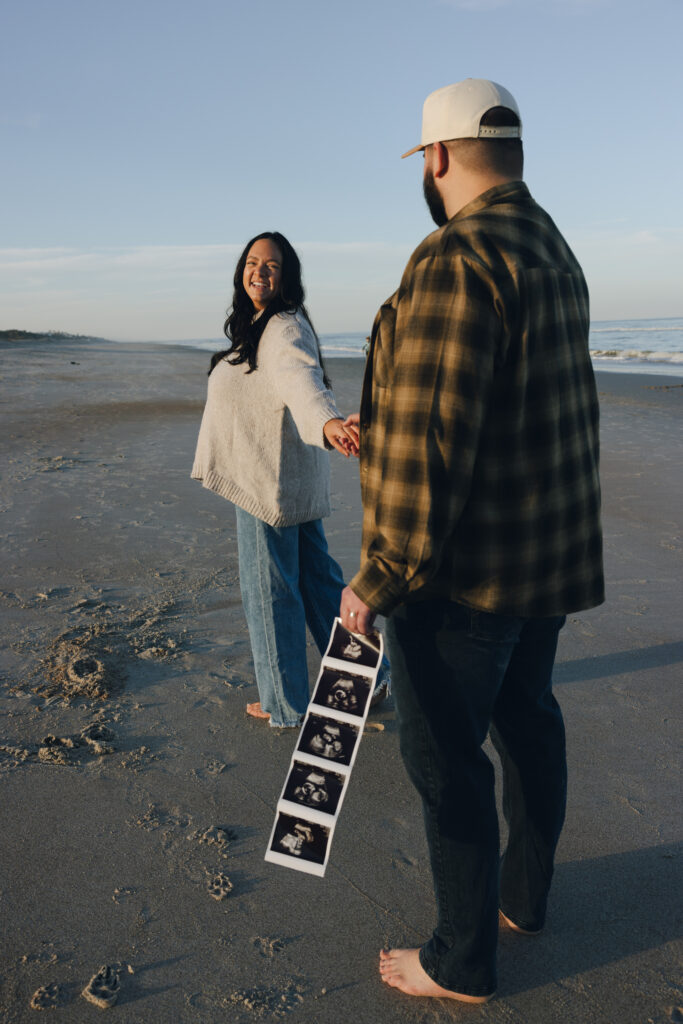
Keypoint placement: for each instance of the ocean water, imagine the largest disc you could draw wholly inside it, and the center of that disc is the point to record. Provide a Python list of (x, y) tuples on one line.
[(642, 346), (636, 346)]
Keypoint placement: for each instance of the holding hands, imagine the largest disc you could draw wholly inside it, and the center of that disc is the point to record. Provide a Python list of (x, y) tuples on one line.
[(352, 424), (342, 435)]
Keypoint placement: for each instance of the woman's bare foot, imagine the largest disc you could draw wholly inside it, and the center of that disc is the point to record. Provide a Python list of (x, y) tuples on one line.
[(256, 711), (401, 968)]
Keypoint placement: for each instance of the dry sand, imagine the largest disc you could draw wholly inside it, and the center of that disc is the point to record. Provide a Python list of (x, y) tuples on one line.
[(137, 798)]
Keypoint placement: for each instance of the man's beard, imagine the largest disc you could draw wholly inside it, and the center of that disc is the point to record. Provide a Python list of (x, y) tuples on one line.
[(434, 200)]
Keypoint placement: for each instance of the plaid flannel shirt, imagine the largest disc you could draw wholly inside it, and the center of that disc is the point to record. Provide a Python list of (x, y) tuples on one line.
[(479, 422)]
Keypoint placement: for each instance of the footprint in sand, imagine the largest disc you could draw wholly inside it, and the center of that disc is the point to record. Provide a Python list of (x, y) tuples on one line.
[(268, 1002), (59, 750), (399, 858), (268, 947), (13, 757), (212, 769), (214, 836), (47, 997), (219, 886), (86, 666), (104, 987), (137, 760), (121, 894), (86, 674), (98, 737), (66, 750)]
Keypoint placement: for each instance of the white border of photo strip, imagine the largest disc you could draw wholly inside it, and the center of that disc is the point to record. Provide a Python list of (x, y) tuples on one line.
[(298, 823)]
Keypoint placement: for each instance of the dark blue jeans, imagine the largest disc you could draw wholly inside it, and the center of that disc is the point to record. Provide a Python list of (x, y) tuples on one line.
[(458, 673)]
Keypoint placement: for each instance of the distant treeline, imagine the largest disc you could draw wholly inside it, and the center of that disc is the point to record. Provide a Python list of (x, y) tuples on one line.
[(15, 335)]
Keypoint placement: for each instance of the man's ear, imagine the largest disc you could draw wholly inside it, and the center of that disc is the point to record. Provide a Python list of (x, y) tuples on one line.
[(440, 159)]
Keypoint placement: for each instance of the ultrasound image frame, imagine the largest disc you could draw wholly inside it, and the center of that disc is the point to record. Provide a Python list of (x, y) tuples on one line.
[(314, 851), (314, 725), (329, 677), (334, 784), (370, 649)]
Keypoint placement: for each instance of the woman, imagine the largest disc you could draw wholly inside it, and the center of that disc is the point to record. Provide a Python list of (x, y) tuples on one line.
[(270, 416)]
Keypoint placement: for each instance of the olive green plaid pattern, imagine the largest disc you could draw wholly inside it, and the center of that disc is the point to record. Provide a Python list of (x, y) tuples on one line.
[(479, 422)]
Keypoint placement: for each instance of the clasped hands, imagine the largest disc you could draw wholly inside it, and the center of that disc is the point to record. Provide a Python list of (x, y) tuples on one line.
[(344, 435)]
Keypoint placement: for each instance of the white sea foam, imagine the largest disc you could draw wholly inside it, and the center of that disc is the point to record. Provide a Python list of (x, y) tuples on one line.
[(637, 355), (645, 346), (634, 329), (651, 346)]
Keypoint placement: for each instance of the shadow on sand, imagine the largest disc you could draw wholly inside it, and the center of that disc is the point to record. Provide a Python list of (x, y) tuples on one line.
[(601, 911), (605, 665)]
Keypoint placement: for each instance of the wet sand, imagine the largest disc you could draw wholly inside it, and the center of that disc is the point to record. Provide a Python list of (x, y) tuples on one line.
[(137, 798)]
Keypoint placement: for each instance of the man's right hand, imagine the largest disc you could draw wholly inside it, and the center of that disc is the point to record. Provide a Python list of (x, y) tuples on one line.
[(341, 437), (355, 614)]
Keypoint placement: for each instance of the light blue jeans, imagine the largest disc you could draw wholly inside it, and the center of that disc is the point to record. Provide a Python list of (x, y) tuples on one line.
[(288, 580)]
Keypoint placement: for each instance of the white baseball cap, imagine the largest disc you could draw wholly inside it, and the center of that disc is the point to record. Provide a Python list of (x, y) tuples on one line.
[(455, 112)]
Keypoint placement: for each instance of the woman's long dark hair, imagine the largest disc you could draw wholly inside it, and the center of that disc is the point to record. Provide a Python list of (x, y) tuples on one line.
[(241, 329)]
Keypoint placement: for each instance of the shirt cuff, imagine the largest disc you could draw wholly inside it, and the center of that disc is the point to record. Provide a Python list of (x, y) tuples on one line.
[(381, 593)]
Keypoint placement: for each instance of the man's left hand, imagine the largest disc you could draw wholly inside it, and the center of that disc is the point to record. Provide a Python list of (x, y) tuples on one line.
[(355, 614)]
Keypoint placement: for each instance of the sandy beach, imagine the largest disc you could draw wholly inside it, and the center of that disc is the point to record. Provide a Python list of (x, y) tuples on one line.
[(137, 797)]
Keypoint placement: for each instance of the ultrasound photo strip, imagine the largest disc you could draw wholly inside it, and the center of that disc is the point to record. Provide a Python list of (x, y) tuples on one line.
[(299, 843), (326, 748)]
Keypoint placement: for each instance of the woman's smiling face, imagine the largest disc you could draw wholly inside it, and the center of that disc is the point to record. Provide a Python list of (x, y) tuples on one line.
[(262, 273)]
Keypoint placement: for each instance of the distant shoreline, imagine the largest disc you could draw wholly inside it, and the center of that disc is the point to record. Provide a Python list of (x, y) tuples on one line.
[(633, 361)]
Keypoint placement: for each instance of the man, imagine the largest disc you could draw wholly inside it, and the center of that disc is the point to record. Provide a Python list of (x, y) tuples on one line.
[(481, 529)]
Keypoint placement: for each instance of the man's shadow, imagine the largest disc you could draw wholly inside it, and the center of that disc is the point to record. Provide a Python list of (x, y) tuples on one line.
[(601, 911), (605, 665)]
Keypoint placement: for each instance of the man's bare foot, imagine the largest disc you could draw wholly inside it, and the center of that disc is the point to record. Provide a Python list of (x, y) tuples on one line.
[(515, 927), (256, 711), (401, 968)]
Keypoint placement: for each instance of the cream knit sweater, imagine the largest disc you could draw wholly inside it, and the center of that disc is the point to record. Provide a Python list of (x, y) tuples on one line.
[(261, 443)]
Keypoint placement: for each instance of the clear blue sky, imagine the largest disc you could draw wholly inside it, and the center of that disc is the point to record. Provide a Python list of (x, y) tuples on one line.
[(143, 142)]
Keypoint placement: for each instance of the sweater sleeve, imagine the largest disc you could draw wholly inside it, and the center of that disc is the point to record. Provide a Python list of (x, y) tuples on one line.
[(289, 354)]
